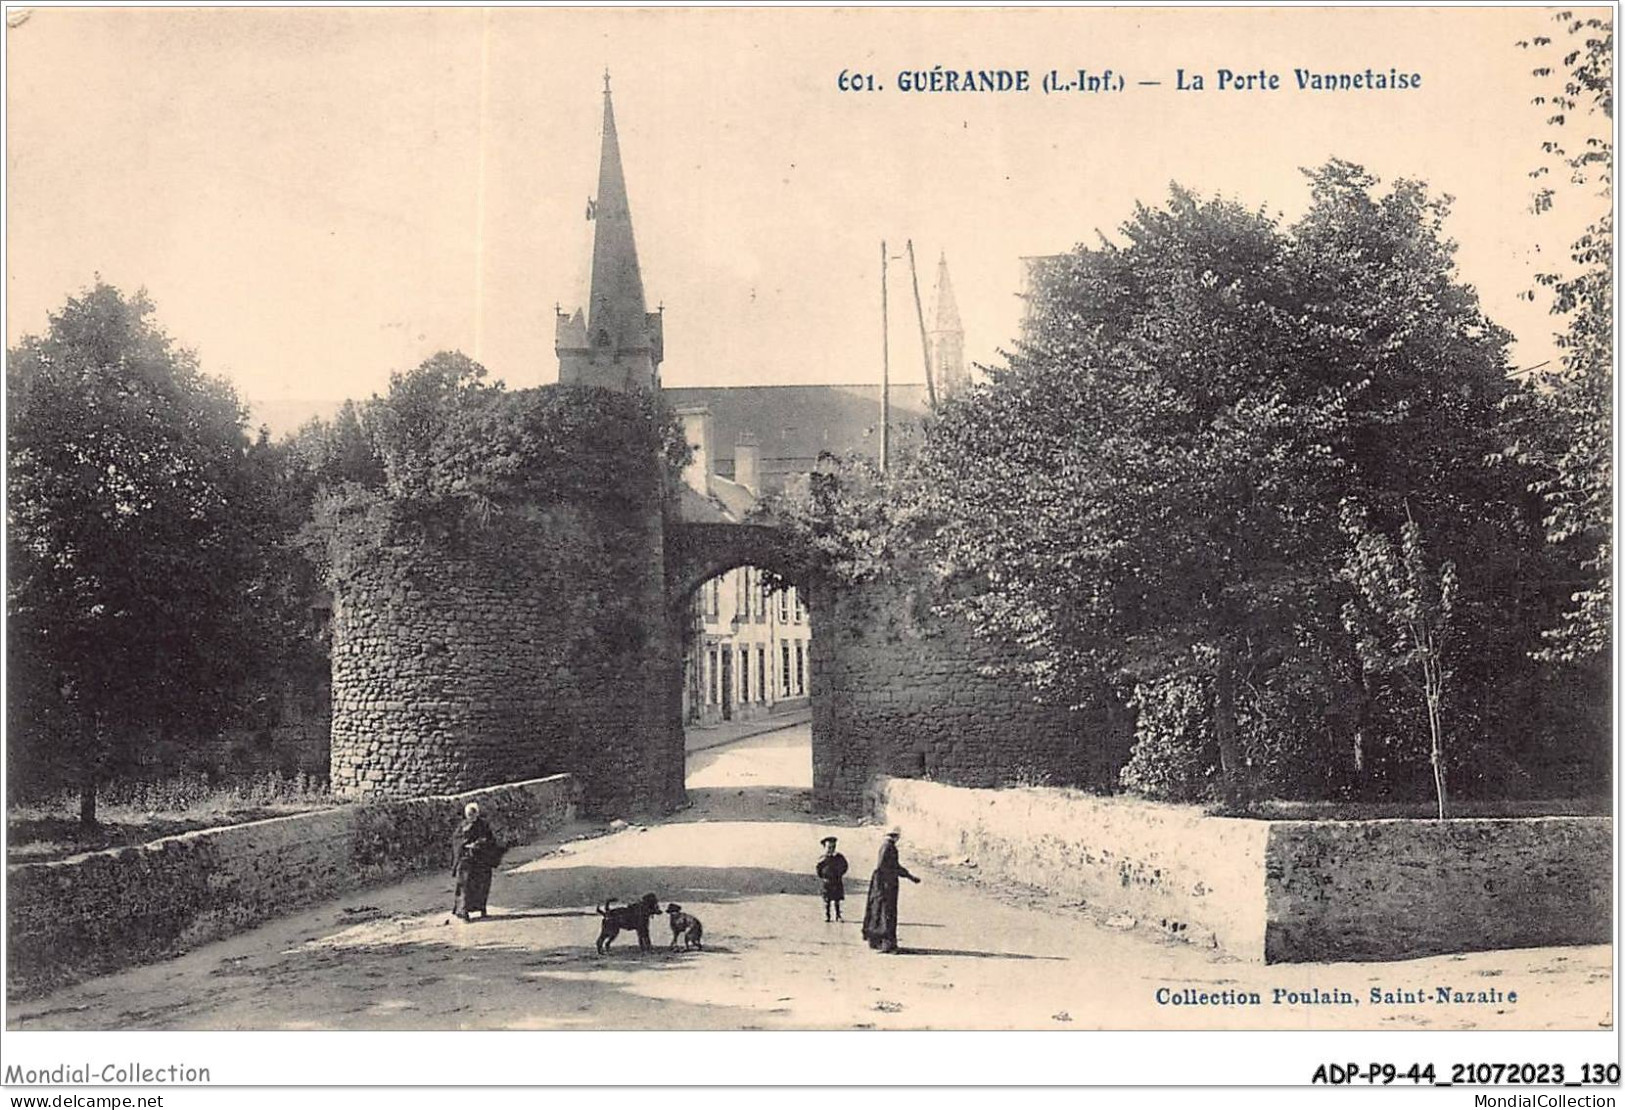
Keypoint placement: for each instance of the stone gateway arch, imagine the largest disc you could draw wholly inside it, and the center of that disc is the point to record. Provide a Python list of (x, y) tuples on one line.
[(554, 643)]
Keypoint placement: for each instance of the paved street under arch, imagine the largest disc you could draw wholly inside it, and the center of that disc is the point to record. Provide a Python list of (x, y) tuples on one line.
[(977, 955)]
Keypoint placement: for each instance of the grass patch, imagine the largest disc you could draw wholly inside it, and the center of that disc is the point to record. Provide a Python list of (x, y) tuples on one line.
[(135, 812), (1425, 809)]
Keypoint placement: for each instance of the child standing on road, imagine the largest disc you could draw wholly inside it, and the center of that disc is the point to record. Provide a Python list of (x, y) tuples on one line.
[(831, 869)]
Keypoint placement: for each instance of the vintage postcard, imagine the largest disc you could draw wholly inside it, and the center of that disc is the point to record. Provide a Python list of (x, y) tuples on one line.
[(1088, 521)]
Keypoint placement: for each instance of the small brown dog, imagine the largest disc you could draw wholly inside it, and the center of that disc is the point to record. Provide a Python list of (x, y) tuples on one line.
[(685, 927), (635, 917)]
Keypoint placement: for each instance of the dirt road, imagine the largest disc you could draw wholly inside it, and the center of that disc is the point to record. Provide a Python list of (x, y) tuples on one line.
[(741, 858)]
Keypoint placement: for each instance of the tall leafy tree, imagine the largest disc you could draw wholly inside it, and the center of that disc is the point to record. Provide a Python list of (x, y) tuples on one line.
[(135, 537), (1126, 485), (1432, 376), (1567, 417), (1148, 490)]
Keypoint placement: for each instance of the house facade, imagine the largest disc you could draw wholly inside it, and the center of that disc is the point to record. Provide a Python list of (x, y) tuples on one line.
[(748, 653)]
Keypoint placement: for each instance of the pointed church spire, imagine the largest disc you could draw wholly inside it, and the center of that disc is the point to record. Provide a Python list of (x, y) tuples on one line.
[(616, 306), (947, 338), (619, 346), (947, 307)]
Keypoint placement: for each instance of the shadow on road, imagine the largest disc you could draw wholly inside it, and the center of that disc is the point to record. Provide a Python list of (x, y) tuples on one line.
[(748, 803), (509, 915), (435, 984), (902, 951), (580, 888)]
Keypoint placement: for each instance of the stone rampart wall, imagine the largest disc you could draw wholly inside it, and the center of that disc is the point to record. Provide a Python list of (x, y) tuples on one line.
[(539, 647), (102, 911), (900, 690)]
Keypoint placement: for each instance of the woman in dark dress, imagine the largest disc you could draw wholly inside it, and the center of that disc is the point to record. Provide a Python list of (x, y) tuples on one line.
[(473, 857), (880, 915)]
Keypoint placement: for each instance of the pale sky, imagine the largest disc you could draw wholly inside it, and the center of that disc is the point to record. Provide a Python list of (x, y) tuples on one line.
[(316, 197)]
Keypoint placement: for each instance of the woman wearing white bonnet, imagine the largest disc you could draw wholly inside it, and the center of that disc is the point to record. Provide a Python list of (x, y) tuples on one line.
[(474, 855)]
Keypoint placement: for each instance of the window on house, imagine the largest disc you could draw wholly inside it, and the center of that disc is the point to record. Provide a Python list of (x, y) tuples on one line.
[(784, 671), (714, 686), (761, 672), (801, 669), (784, 606), (744, 674)]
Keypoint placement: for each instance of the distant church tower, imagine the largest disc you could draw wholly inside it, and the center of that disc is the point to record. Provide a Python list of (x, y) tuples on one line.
[(613, 342), (947, 337)]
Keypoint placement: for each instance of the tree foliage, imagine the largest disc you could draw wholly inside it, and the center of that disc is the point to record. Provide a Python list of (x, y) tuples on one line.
[(139, 594), (1566, 418), (856, 522), (1145, 497), (1576, 72), (1399, 616), (446, 454)]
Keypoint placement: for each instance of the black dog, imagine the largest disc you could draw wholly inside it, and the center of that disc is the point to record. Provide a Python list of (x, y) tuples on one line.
[(635, 917)]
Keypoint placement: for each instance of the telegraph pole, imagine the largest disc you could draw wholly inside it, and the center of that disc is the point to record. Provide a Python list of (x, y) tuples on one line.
[(885, 367), (919, 314)]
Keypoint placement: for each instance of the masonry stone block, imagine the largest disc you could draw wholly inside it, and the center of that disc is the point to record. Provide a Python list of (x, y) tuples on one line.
[(96, 913), (1279, 891)]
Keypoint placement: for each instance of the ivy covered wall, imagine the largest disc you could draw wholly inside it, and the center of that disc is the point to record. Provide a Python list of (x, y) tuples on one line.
[(499, 593)]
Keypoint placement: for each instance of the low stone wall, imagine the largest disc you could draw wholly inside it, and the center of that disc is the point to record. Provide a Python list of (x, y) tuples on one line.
[(99, 912), (1361, 890), (1280, 891), (1169, 867)]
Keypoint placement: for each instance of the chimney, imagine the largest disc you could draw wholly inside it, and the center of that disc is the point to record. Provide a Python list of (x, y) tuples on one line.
[(697, 430), (748, 463)]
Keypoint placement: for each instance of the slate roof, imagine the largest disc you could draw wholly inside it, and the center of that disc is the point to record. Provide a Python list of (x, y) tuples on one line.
[(794, 424)]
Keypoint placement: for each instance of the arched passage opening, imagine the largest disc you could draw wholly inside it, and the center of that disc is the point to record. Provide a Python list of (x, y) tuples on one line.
[(747, 683), (746, 617)]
